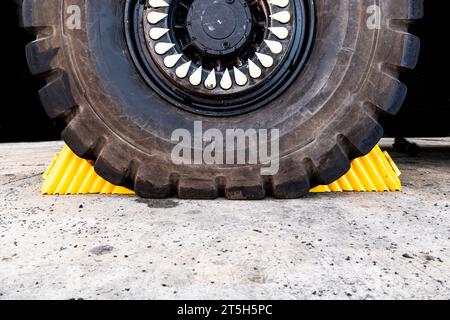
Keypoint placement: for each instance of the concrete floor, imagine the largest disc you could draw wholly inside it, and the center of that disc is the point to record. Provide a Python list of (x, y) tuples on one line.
[(338, 246)]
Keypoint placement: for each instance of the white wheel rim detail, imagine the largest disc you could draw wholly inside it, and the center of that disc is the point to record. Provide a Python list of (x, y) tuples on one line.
[(280, 32), (255, 71), (266, 60), (211, 82), (274, 46), (226, 83), (155, 17), (183, 70), (158, 3), (171, 61), (279, 3), (157, 33), (282, 16), (163, 47), (196, 78), (240, 78)]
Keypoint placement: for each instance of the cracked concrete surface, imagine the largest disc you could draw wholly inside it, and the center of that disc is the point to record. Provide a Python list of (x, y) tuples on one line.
[(338, 246)]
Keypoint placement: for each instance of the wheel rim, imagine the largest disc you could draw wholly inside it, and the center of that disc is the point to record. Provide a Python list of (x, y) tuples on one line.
[(219, 57)]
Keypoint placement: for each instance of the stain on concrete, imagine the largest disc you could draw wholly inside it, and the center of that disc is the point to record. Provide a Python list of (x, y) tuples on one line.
[(158, 204), (101, 250), (193, 212)]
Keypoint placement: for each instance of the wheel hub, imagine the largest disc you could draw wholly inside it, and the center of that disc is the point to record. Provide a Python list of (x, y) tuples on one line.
[(219, 57), (219, 27)]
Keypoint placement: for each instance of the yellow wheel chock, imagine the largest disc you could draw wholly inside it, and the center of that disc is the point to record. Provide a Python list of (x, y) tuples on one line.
[(71, 175)]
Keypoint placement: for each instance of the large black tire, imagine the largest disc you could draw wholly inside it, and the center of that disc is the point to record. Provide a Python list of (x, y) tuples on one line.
[(330, 115)]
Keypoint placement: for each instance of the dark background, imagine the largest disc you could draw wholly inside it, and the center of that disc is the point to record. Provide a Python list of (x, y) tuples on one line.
[(426, 111)]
